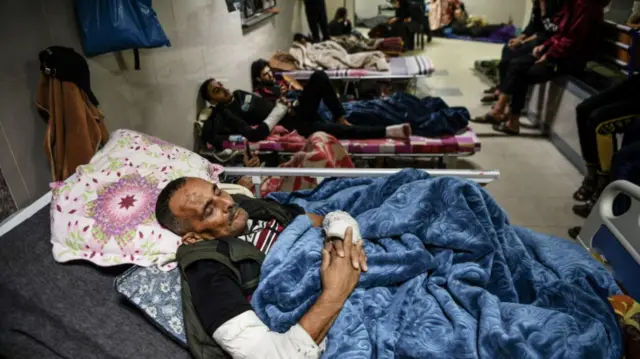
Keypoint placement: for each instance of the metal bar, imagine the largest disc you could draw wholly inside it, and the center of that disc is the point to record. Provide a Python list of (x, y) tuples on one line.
[(633, 50), (618, 44), (482, 177)]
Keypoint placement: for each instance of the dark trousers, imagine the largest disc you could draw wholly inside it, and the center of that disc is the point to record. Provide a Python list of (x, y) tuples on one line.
[(307, 121), (601, 116), (522, 73), (509, 54), (317, 18)]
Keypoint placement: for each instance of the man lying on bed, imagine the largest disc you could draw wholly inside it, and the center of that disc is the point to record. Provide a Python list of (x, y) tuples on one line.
[(200, 212), (254, 117)]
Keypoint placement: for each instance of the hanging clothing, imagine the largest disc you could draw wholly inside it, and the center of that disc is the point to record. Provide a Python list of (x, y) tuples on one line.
[(75, 126)]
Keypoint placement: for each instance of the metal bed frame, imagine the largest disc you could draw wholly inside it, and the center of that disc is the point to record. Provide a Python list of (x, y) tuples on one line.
[(481, 177), (627, 68), (616, 239)]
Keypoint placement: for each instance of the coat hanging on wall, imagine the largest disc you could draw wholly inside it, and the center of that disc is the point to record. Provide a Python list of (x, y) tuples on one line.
[(115, 25)]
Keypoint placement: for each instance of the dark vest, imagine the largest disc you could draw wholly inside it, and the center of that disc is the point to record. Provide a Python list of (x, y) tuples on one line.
[(244, 260)]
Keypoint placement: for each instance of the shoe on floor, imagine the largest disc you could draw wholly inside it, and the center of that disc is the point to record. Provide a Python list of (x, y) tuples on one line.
[(574, 232)]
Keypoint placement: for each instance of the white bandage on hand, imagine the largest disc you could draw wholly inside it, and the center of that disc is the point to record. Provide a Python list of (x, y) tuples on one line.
[(335, 225), (276, 115)]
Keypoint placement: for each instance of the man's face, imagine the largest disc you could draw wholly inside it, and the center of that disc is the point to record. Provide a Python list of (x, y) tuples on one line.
[(266, 75), (209, 212), (218, 93)]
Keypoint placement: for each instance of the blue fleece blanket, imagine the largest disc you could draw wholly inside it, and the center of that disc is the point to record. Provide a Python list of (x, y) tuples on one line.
[(429, 117), (449, 277)]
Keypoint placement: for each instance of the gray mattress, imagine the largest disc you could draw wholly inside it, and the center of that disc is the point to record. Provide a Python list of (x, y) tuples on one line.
[(53, 310)]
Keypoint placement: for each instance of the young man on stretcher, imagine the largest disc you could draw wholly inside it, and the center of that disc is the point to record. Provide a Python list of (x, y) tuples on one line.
[(237, 228), (254, 117)]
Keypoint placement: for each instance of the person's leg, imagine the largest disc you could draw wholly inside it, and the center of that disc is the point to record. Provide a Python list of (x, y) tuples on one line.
[(603, 124), (343, 132), (311, 11), (518, 87), (586, 134), (317, 89), (323, 21), (511, 83)]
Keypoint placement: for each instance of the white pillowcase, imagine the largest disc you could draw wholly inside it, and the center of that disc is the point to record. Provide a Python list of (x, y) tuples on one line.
[(105, 213)]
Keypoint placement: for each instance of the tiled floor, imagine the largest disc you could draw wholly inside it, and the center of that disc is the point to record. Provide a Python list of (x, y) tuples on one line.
[(536, 181)]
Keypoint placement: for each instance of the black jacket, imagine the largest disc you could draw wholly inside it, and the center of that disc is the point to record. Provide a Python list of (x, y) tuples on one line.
[(237, 118), (545, 26)]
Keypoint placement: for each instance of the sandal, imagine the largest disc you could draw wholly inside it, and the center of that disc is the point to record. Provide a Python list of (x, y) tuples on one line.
[(488, 118), (489, 99), (504, 128), (490, 90)]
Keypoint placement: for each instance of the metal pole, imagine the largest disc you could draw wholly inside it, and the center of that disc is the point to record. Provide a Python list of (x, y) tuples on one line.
[(482, 177)]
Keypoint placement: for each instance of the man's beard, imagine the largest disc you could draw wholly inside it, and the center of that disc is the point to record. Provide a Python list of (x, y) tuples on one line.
[(232, 213)]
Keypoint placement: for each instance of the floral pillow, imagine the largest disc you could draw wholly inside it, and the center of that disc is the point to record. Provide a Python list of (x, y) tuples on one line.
[(105, 213)]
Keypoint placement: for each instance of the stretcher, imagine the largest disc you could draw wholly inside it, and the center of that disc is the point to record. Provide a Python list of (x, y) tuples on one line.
[(401, 69), (448, 149)]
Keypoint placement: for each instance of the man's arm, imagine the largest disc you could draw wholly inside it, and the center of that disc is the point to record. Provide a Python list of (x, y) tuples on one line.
[(220, 125), (227, 316)]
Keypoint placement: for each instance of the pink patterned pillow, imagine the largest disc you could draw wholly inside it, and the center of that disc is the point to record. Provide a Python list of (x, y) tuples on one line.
[(104, 213)]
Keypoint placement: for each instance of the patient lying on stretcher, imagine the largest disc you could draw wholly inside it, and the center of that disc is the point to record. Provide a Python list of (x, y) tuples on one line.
[(236, 113), (209, 219)]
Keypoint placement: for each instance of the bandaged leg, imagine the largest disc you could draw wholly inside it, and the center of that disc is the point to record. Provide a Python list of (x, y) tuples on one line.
[(276, 115)]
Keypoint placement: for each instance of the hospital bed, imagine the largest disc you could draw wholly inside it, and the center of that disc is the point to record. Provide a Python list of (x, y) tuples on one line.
[(405, 68), (53, 310), (446, 150), (616, 239)]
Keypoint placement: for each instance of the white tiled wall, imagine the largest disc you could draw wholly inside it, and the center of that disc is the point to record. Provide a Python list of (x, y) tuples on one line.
[(207, 41)]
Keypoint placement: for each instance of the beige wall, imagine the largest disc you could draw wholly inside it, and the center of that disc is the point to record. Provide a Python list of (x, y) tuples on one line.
[(159, 100), (498, 11), (207, 41)]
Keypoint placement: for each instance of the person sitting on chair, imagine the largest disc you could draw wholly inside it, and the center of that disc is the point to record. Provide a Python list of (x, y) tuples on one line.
[(340, 25), (239, 230), (542, 25), (599, 118), (566, 51), (236, 112)]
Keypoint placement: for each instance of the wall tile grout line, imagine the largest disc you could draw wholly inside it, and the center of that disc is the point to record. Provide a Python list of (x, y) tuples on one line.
[(24, 183)]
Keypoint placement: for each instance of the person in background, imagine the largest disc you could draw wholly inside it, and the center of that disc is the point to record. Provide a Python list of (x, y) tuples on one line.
[(254, 117), (542, 25), (200, 212), (316, 11), (566, 51), (399, 23), (465, 25), (340, 25), (271, 86), (599, 118)]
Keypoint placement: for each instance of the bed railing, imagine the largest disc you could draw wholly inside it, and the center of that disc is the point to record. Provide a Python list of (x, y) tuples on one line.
[(616, 237), (481, 177)]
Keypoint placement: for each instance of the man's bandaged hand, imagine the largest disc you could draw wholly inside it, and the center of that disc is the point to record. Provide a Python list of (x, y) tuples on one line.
[(336, 223)]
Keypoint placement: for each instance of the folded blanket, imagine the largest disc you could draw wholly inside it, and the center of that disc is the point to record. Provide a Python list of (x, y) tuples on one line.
[(449, 277)]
